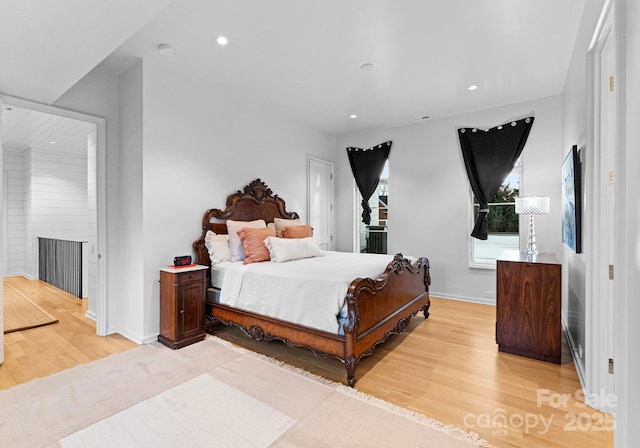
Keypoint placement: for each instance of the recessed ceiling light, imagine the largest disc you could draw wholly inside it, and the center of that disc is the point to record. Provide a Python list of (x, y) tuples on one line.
[(222, 41), (366, 67), (473, 87), (353, 116), (52, 142)]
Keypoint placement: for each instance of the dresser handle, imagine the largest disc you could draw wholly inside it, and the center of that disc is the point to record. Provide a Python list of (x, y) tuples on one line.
[(181, 311)]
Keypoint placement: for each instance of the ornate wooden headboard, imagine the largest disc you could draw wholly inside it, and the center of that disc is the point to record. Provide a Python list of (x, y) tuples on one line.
[(256, 201)]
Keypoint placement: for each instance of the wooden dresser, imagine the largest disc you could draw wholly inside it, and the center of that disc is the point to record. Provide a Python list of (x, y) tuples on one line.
[(182, 297), (528, 305)]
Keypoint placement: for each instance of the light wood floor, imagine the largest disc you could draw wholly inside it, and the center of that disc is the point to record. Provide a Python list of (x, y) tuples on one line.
[(447, 367), (42, 351)]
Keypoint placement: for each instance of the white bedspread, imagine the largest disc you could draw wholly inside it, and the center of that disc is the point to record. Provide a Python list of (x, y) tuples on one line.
[(309, 292)]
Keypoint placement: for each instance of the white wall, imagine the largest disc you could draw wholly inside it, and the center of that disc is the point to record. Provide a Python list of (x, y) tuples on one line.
[(130, 288), (57, 200), (430, 194), (47, 197), (574, 132), (202, 143), (16, 211), (97, 94), (199, 144)]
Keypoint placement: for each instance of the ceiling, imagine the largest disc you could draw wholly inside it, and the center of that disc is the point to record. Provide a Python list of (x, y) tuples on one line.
[(23, 128), (302, 58), (47, 46)]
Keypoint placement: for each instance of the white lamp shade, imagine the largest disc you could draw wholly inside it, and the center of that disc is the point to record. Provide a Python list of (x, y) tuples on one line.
[(534, 205)]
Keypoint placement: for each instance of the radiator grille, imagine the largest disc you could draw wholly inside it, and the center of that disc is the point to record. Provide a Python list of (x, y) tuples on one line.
[(377, 241), (60, 264)]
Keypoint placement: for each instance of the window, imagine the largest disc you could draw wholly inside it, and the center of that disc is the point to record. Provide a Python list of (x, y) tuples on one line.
[(373, 237), (503, 223)]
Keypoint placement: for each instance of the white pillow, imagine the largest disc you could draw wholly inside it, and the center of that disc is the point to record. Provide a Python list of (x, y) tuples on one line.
[(235, 245), (287, 249), (282, 223), (218, 247)]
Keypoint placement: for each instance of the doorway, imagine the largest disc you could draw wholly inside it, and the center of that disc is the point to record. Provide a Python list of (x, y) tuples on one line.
[(320, 201), (75, 127)]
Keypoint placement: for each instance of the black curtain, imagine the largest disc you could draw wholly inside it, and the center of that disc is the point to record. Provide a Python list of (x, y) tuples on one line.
[(367, 165), (489, 156)]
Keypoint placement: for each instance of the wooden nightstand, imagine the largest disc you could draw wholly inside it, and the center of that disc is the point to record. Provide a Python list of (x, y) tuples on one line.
[(182, 297), (528, 305)]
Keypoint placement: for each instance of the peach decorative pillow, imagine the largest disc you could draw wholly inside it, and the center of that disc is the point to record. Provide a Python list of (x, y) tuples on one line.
[(280, 223), (297, 231), (235, 246), (253, 244)]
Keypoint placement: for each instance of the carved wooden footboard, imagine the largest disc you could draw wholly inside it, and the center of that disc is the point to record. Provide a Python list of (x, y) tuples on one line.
[(376, 308), (379, 308)]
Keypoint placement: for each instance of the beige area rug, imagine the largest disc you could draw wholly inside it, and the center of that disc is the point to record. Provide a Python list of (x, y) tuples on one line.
[(204, 395), (20, 313)]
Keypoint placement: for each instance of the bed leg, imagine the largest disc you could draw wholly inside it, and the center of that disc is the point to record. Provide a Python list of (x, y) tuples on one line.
[(425, 311), (350, 364)]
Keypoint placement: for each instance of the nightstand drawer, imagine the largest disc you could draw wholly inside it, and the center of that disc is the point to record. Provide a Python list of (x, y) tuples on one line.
[(191, 276), (180, 278)]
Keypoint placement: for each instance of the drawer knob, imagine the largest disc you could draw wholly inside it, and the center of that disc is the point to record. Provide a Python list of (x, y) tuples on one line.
[(181, 311)]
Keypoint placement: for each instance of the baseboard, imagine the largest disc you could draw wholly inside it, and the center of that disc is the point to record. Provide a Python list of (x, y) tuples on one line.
[(22, 274), (91, 315), (574, 350), (149, 339), (132, 337), (484, 301)]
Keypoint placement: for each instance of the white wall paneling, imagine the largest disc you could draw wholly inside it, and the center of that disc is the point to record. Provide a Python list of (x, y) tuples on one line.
[(56, 199), (16, 211)]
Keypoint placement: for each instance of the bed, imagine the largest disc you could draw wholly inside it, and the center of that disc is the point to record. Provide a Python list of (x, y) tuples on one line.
[(374, 308)]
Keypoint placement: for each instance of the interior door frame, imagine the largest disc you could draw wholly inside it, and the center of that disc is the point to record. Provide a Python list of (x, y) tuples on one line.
[(101, 275), (599, 226), (313, 159), (4, 246)]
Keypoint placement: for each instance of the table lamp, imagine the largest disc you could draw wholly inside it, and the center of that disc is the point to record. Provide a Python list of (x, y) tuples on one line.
[(532, 205)]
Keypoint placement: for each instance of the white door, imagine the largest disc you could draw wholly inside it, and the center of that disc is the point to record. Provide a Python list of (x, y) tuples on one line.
[(608, 155), (3, 248), (600, 188), (320, 201)]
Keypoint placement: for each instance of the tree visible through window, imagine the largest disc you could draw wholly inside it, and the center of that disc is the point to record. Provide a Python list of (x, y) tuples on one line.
[(502, 220)]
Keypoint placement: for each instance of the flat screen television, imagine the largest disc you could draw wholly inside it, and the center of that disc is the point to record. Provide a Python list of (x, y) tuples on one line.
[(572, 201)]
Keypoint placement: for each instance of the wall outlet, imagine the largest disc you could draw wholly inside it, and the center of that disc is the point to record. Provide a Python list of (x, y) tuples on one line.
[(579, 351), (489, 294), (124, 253)]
